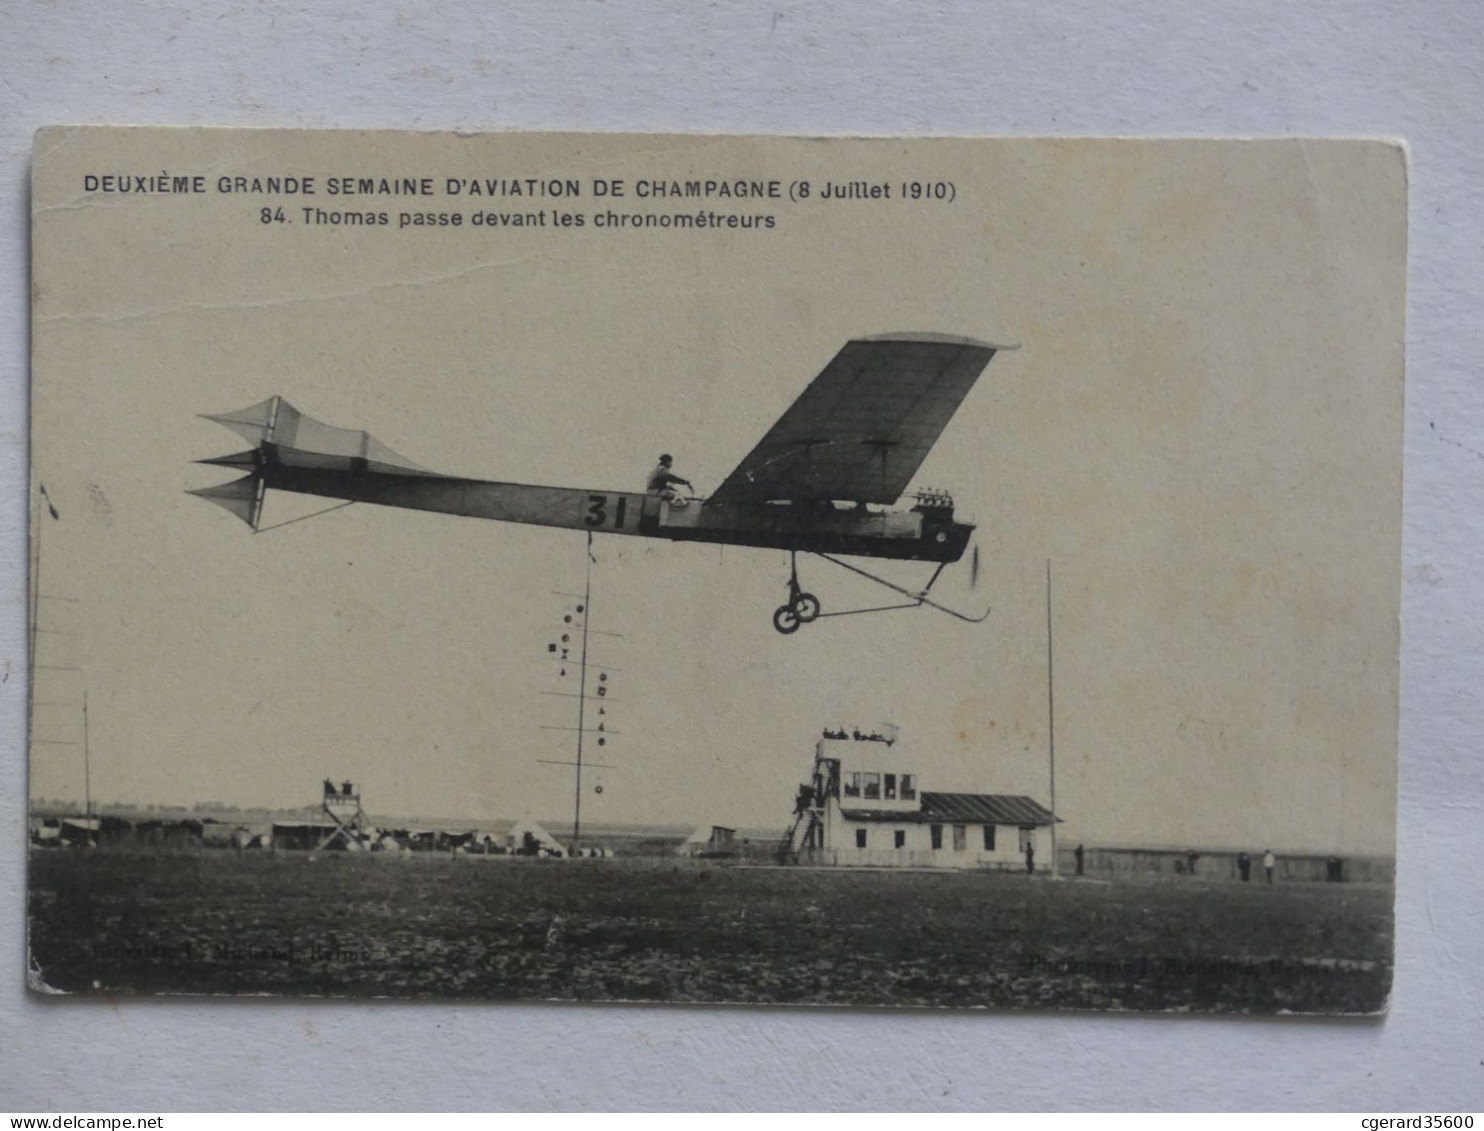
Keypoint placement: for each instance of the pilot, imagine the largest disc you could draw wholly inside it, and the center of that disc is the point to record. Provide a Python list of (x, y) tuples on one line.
[(662, 482)]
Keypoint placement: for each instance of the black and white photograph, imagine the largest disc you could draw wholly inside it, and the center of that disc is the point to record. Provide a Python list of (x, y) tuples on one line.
[(952, 573)]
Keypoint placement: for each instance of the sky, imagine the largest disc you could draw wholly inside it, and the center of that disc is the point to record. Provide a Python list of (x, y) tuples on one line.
[(1200, 432)]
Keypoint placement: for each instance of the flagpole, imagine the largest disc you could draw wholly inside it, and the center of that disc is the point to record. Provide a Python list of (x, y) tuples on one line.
[(1051, 723), (40, 525), (587, 613), (87, 772), (35, 618)]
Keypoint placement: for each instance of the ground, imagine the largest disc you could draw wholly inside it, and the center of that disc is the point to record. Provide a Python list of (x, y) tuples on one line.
[(343, 924)]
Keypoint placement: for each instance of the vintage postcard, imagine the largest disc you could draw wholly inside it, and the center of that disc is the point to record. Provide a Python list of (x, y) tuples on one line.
[(716, 569)]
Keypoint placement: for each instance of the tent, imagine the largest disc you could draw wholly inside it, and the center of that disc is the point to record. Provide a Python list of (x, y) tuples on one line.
[(710, 840), (528, 838)]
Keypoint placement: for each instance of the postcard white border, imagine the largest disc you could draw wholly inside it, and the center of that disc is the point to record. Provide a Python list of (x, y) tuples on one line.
[(1027, 68)]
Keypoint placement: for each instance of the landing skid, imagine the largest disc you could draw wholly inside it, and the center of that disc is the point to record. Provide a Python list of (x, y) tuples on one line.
[(803, 608)]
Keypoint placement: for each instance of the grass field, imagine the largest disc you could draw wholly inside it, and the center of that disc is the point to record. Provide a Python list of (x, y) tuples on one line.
[(341, 924)]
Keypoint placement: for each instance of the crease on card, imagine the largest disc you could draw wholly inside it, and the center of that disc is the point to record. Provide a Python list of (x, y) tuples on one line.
[(267, 304)]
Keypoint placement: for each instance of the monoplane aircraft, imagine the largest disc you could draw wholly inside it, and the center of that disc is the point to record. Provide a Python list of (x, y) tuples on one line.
[(827, 479)]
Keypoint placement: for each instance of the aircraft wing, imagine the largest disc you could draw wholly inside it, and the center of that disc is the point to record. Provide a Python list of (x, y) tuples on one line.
[(865, 424)]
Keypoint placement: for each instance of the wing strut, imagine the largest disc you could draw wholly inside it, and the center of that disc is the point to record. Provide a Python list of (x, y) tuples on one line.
[(918, 599), (302, 517)]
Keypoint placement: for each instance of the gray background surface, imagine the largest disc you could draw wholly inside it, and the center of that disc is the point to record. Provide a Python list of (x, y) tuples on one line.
[(1415, 72)]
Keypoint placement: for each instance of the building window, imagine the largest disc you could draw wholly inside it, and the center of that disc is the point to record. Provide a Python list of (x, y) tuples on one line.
[(872, 783), (937, 831), (900, 838), (909, 788), (988, 838), (860, 838), (960, 838), (890, 788), (853, 785)]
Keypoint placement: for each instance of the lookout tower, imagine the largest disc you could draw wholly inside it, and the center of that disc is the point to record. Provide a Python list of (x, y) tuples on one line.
[(341, 804)]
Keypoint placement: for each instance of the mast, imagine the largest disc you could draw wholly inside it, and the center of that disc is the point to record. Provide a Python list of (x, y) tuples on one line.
[(560, 650), (35, 623), (587, 613), (1051, 722), (87, 771)]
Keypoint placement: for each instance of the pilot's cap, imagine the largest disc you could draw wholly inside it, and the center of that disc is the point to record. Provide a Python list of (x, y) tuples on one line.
[(667, 459)]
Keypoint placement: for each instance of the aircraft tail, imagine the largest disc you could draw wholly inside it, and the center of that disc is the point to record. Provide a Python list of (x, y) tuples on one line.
[(282, 435)]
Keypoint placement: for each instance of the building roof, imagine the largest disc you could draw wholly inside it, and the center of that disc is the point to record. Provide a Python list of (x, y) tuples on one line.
[(965, 808), (999, 808)]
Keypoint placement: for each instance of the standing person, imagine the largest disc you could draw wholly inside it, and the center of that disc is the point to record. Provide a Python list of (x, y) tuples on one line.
[(1030, 856), (1244, 866), (1269, 862), (1078, 854)]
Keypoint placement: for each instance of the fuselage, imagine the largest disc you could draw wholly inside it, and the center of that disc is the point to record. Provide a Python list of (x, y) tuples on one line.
[(921, 533)]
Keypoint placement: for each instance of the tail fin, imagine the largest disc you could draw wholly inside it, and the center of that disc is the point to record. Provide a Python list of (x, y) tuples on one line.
[(255, 424), (242, 497), (239, 459), (275, 421)]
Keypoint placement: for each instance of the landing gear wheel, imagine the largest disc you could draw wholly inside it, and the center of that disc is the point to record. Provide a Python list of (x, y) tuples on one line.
[(805, 607), (786, 619)]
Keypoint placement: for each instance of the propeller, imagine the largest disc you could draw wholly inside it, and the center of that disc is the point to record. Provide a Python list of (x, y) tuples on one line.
[(974, 569)]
